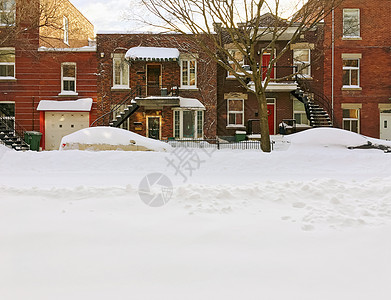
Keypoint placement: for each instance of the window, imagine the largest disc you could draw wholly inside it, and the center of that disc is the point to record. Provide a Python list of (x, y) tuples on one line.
[(66, 30), (188, 73), (351, 120), (302, 59), (120, 71), (7, 12), (238, 59), (68, 78), (299, 113), (351, 73), (7, 63), (188, 124), (235, 112), (351, 23)]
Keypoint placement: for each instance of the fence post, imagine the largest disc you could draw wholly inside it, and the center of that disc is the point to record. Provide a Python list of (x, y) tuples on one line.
[(218, 143)]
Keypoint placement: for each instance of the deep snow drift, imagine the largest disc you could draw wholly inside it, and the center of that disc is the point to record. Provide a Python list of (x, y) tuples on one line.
[(103, 137), (311, 220)]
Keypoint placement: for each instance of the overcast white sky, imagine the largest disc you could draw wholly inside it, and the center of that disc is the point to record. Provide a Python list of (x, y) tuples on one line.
[(109, 15)]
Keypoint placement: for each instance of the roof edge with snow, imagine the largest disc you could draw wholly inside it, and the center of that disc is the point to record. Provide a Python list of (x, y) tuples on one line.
[(72, 105), (152, 54)]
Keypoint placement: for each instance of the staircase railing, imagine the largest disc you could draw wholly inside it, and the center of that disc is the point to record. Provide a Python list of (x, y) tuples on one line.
[(106, 118), (8, 121), (319, 99)]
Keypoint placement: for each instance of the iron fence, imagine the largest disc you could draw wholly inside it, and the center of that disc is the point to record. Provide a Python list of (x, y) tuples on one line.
[(218, 144)]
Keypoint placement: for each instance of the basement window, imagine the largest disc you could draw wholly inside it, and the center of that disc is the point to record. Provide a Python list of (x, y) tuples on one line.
[(351, 120)]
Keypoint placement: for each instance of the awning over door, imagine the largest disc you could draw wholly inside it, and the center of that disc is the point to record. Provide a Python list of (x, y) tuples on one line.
[(73, 105), (191, 103), (152, 54)]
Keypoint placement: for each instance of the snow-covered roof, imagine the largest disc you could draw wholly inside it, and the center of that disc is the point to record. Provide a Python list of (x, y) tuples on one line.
[(152, 54), (190, 103), (80, 49), (73, 105)]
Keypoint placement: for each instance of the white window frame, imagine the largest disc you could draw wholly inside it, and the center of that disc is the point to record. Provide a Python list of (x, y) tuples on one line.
[(120, 57), (303, 67), (196, 129), (344, 18), (11, 11), (4, 63), (66, 30), (67, 92), (350, 69), (350, 120), (235, 112), (187, 61), (300, 112)]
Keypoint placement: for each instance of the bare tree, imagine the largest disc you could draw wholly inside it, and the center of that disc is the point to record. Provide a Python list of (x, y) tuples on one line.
[(242, 24), (29, 23)]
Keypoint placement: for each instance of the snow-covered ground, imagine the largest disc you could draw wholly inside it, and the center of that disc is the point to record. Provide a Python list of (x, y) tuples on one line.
[(311, 220)]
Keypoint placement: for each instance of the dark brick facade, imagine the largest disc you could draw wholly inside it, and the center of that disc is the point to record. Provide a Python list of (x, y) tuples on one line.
[(283, 101), (206, 92)]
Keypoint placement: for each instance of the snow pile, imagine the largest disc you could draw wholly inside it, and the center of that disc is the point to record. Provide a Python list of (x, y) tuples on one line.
[(326, 137), (239, 224), (4, 149), (109, 138)]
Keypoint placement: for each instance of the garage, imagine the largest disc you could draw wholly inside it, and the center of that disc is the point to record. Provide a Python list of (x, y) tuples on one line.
[(60, 118)]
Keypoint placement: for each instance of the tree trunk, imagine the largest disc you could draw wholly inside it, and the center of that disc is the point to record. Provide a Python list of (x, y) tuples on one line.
[(264, 122)]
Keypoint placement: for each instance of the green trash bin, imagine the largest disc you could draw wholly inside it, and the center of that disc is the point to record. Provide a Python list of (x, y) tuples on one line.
[(240, 136), (33, 138)]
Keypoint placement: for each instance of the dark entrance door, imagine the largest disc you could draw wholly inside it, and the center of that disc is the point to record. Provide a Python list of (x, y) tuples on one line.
[(154, 128), (153, 80)]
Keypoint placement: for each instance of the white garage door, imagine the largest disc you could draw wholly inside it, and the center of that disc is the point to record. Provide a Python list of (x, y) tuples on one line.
[(59, 124), (385, 126)]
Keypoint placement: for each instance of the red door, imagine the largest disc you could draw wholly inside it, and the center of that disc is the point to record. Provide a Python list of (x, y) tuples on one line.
[(270, 113), (265, 63)]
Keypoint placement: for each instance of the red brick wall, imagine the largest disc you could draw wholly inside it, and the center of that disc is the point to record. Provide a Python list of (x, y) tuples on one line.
[(375, 65), (38, 74)]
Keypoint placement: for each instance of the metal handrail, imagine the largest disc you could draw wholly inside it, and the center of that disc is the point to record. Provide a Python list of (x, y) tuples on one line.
[(15, 127), (131, 96)]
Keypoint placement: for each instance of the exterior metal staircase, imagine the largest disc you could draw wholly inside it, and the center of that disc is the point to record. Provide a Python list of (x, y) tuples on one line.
[(124, 115), (121, 114), (315, 109), (10, 136)]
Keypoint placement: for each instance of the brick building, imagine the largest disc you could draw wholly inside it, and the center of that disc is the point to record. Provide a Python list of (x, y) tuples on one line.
[(53, 62), (164, 82), (238, 109), (357, 66)]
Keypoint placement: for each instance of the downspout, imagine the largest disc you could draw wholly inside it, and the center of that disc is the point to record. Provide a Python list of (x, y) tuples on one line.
[(332, 64)]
